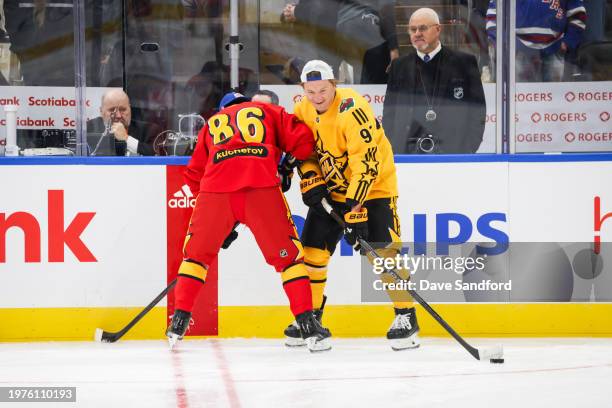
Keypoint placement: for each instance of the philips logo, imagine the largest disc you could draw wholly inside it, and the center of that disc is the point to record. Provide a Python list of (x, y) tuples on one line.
[(450, 229), (182, 198), (464, 227)]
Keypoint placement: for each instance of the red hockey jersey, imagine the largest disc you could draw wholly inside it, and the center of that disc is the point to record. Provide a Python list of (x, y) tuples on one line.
[(241, 146)]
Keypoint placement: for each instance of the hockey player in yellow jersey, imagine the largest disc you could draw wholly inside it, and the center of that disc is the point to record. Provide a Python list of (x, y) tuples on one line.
[(353, 168)]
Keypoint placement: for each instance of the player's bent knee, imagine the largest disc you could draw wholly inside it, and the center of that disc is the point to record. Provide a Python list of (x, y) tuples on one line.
[(294, 272), (193, 269), (315, 257)]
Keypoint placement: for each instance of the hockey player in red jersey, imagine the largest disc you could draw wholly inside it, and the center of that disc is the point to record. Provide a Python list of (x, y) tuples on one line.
[(233, 172)]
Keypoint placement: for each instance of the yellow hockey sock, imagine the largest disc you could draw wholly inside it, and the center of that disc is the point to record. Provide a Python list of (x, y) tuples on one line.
[(316, 261)]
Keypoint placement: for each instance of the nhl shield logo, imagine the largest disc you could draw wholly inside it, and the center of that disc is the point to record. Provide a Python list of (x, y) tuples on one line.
[(458, 92)]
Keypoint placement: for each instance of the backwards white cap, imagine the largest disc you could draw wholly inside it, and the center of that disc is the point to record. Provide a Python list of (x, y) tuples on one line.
[(316, 70)]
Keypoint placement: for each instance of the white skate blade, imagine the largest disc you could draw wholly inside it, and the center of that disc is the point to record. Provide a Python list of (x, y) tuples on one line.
[(407, 343), (294, 342), (485, 354), (98, 335), (173, 338), (315, 345)]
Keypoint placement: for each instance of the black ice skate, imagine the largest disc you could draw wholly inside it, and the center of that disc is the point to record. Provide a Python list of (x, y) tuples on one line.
[(315, 336), (293, 337), (404, 332), (178, 326)]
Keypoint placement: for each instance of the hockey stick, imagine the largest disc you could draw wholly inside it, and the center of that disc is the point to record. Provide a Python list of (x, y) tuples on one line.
[(493, 354), (111, 337)]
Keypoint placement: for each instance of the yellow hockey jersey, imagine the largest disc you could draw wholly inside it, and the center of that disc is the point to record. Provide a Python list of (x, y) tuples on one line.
[(354, 155)]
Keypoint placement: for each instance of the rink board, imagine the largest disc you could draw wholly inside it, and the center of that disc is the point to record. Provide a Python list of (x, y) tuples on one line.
[(113, 221), (472, 320)]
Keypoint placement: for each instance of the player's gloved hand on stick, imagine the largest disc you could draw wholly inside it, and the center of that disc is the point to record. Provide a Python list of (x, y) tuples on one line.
[(285, 170), (231, 237), (286, 181), (356, 227), (314, 190)]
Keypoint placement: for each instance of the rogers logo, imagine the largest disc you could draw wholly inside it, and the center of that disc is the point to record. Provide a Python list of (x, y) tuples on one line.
[(534, 137), (533, 97), (604, 116), (367, 97), (536, 117), (297, 98), (595, 96), (570, 96), (570, 137), (182, 198), (58, 235), (493, 118)]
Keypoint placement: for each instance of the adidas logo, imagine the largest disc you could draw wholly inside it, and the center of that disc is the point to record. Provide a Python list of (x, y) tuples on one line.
[(182, 198)]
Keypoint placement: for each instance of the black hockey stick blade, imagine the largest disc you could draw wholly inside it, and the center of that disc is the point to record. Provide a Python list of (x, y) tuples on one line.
[(491, 353), (111, 337)]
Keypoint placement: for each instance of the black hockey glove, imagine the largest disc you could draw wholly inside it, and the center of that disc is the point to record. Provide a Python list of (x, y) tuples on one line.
[(231, 237), (285, 171), (356, 227), (314, 190)]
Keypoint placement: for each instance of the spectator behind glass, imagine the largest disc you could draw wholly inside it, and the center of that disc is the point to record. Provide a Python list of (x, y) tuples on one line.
[(123, 135), (595, 52), (369, 42), (316, 20), (206, 15), (2, 29), (596, 25), (434, 101), (41, 33), (265, 96), (547, 34), (362, 33)]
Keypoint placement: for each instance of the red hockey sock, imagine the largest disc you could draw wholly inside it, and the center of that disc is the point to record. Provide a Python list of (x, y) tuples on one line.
[(186, 290), (299, 294)]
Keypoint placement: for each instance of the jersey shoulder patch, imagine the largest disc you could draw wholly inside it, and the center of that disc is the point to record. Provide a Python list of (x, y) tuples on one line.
[(346, 104)]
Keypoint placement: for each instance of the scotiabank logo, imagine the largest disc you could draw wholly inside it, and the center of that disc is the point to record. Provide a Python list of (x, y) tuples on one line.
[(182, 198), (58, 235)]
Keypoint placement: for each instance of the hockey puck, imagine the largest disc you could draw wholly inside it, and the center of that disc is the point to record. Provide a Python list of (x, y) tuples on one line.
[(497, 361)]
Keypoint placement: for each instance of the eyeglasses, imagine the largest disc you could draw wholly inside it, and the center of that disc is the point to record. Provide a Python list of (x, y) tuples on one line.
[(420, 29)]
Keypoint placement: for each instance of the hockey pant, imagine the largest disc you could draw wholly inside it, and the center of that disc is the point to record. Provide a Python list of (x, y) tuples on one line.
[(265, 212)]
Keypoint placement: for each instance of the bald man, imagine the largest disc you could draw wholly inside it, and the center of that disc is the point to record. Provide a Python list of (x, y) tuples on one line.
[(435, 100), (123, 136)]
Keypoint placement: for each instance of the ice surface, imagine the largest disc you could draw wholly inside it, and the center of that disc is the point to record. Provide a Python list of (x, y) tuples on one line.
[(356, 373)]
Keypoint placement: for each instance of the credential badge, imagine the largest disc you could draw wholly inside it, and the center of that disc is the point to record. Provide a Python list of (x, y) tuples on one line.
[(458, 92)]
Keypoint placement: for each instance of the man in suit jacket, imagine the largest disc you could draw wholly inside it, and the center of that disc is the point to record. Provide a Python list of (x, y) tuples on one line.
[(42, 36), (434, 101), (125, 136)]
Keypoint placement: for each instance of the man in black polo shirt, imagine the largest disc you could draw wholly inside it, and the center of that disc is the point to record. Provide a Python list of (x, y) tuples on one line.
[(434, 101)]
